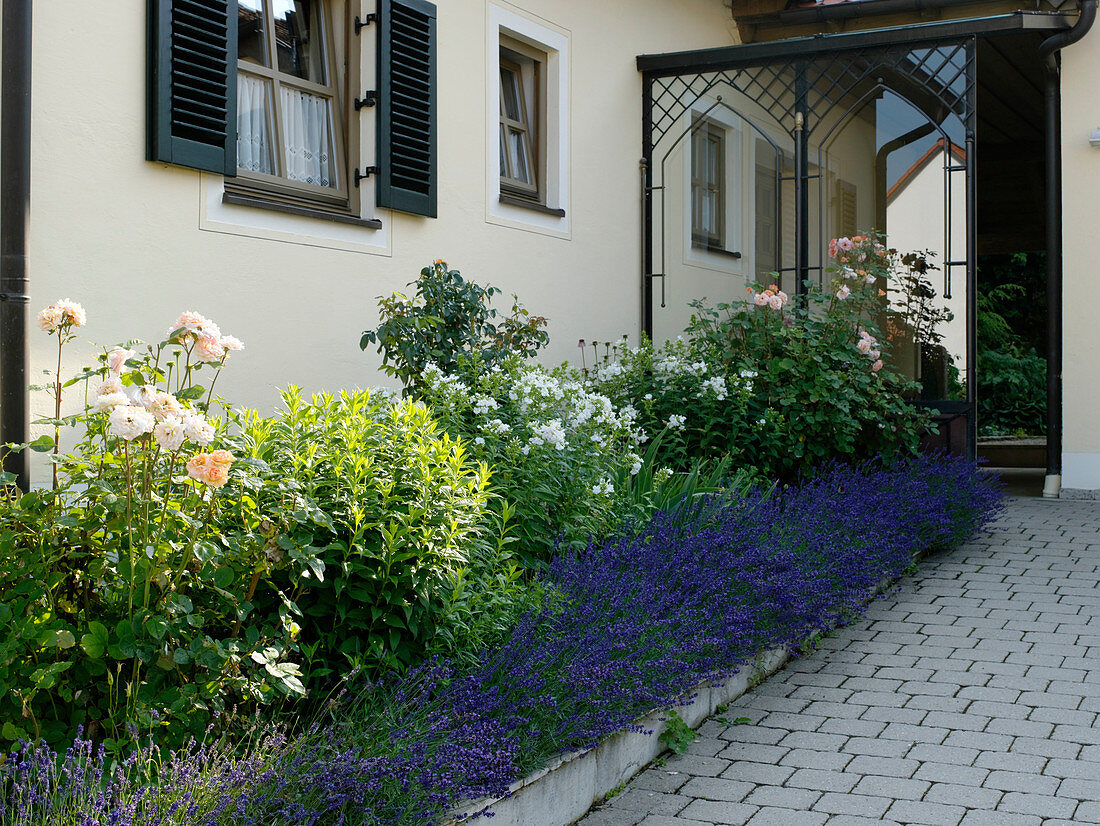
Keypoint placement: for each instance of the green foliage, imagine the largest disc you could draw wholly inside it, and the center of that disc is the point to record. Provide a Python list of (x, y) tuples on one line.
[(448, 318), (1010, 328), (485, 598), (1013, 397), (677, 735), (125, 590), (556, 448), (388, 506)]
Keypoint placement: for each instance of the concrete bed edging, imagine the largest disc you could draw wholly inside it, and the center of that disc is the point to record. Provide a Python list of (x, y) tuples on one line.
[(563, 792)]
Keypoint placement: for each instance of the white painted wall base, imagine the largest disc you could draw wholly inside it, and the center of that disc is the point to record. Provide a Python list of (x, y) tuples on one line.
[(1080, 472)]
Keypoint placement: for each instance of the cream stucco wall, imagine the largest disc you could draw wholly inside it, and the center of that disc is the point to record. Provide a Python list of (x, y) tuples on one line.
[(137, 242), (1081, 252)]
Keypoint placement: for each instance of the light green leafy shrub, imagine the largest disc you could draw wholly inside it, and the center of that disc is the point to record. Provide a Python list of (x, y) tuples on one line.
[(404, 509)]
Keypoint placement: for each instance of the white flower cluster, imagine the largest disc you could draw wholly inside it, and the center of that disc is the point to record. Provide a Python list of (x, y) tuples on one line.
[(143, 409), (676, 422), (715, 385), (483, 404), (603, 487)]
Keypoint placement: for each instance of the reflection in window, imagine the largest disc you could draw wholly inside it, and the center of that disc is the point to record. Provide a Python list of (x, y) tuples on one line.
[(518, 124)]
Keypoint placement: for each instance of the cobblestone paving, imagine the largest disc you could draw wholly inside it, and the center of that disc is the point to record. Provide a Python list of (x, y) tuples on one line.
[(969, 697)]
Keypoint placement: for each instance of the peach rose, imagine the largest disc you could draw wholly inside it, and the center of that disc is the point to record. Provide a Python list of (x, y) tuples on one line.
[(876, 366), (209, 349), (73, 314), (196, 466), (117, 358), (222, 457), (216, 475)]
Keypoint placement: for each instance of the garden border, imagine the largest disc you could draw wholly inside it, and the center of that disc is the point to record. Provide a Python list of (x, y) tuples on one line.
[(563, 792)]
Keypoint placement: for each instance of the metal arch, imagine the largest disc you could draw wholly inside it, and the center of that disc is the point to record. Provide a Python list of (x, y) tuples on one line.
[(692, 128)]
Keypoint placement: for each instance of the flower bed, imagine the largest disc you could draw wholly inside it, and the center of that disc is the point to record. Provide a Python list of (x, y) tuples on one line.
[(632, 623)]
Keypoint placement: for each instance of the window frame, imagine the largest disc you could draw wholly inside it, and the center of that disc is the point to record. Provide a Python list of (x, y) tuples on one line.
[(529, 67), (337, 67), (705, 130)]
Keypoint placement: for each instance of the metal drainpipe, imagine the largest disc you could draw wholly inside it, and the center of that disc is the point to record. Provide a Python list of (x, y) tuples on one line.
[(15, 191), (1048, 52)]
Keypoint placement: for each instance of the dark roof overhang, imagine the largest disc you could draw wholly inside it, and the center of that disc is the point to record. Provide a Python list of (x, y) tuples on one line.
[(725, 57)]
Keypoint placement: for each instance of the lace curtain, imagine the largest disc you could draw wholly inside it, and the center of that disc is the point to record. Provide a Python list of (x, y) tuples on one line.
[(306, 132), (305, 121), (253, 141)]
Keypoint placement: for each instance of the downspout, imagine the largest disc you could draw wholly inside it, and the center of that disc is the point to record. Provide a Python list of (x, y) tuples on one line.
[(15, 193), (1048, 52)]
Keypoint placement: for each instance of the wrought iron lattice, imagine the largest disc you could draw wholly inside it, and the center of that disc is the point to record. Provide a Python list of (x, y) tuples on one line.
[(938, 78)]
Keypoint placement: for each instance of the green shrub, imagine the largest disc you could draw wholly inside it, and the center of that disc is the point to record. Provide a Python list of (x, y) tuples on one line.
[(401, 509), (556, 449), (124, 593), (1012, 392), (775, 386), (448, 318)]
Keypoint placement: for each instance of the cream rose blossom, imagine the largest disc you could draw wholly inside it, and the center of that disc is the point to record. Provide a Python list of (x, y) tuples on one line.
[(129, 422), (170, 433), (50, 318), (198, 429), (209, 349), (165, 406), (112, 385), (109, 401)]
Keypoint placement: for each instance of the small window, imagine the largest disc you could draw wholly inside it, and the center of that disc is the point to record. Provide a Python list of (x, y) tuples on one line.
[(291, 139), (521, 121), (708, 174)]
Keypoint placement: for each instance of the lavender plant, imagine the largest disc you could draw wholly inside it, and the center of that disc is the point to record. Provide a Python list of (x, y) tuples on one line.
[(633, 624)]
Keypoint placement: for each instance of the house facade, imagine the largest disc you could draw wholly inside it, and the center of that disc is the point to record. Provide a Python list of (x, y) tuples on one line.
[(277, 165)]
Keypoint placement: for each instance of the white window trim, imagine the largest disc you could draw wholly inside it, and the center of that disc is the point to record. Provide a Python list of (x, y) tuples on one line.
[(737, 196), (553, 41)]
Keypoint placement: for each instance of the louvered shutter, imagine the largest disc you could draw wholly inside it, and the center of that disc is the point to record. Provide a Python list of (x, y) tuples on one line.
[(192, 117), (407, 106)]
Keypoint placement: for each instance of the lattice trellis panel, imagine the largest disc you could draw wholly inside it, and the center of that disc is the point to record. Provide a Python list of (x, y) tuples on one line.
[(937, 78)]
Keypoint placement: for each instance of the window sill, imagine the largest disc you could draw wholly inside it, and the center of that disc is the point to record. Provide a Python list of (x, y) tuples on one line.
[(237, 199), (512, 200), (715, 249)]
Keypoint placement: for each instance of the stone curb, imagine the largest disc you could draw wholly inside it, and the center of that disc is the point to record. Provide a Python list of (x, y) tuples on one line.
[(564, 791)]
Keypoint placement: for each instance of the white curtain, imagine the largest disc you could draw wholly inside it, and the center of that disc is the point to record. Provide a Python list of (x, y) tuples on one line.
[(253, 141), (307, 133)]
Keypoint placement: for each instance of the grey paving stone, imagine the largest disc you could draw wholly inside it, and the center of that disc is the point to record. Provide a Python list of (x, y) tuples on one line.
[(1018, 782), (703, 766), (823, 780), (1037, 804), (853, 804), (758, 773), (712, 811), (656, 780), (784, 797), (661, 820), (971, 776), (786, 817), (937, 814), (643, 800), (612, 817), (810, 759), (977, 817), (892, 787), (877, 748), (955, 794), (717, 788)]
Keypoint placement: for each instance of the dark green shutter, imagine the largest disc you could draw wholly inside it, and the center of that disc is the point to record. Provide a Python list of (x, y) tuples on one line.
[(192, 117), (406, 106)]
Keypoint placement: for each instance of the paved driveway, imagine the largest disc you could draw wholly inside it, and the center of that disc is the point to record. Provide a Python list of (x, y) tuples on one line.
[(970, 696)]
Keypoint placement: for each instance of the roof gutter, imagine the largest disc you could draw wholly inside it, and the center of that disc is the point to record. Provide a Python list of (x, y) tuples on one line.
[(15, 193), (1048, 51)]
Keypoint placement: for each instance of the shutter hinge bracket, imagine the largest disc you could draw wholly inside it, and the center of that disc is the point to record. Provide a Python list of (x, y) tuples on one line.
[(366, 173), (370, 98), (366, 21)]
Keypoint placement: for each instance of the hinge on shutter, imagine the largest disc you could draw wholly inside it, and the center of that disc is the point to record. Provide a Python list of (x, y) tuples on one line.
[(370, 98), (370, 18), (366, 173)]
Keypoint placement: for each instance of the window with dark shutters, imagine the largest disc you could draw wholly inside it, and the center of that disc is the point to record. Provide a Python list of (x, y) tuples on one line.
[(407, 106), (192, 83)]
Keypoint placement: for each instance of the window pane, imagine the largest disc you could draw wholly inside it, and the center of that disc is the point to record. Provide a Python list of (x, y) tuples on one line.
[(253, 117), (298, 39), (518, 154), (251, 43), (503, 155), (307, 130), (509, 95)]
